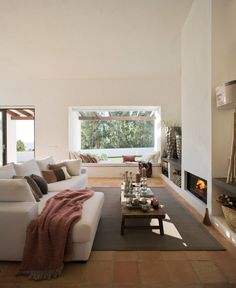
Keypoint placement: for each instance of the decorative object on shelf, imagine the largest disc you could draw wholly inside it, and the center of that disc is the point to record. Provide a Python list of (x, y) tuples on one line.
[(206, 219), (164, 154), (178, 146), (176, 177), (229, 210), (171, 129)]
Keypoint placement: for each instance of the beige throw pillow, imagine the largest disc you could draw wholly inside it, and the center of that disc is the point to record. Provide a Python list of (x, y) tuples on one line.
[(73, 166), (44, 163), (15, 190), (27, 168)]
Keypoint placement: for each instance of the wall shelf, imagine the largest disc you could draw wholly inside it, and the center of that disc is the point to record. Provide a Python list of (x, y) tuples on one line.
[(221, 183), (174, 162), (171, 168)]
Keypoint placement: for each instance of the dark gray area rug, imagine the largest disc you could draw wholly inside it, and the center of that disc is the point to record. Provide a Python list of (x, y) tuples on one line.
[(182, 231)]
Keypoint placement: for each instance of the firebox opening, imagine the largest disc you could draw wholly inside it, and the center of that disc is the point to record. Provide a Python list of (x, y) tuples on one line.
[(197, 186)]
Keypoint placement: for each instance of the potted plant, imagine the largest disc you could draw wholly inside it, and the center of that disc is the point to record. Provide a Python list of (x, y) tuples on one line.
[(229, 210)]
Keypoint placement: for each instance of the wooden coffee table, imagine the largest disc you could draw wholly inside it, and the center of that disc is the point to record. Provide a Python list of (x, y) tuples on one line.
[(138, 213)]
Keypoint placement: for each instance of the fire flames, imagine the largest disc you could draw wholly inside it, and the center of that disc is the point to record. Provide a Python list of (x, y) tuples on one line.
[(201, 184)]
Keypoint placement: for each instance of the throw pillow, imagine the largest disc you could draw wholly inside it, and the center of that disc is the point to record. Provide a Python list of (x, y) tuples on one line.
[(62, 173), (33, 186), (44, 163), (128, 158), (84, 158), (73, 167), (27, 168), (49, 176), (93, 159), (15, 190), (72, 155), (56, 166), (89, 158), (41, 183), (7, 171), (76, 155)]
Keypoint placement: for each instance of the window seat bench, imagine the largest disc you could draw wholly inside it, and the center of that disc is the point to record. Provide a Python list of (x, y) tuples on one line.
[(116, 169)]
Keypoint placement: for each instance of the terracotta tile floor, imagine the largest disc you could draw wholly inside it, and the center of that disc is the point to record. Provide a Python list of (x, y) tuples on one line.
[(140, 269)]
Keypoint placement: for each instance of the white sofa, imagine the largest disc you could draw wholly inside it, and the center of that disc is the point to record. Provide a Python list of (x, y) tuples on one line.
[(16, 215)]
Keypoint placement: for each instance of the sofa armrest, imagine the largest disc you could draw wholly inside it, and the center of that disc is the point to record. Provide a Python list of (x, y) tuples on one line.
[(14, 219), (83, 170)]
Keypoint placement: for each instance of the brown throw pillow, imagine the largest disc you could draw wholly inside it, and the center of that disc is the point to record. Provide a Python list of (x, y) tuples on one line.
[(49, 176), (34, 186), (41, 183), (56, 166), (128, 158), (84, 158), (62, 174), (94, 160)]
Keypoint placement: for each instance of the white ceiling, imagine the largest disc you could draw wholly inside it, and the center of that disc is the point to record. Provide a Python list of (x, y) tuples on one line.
[(91, 38)]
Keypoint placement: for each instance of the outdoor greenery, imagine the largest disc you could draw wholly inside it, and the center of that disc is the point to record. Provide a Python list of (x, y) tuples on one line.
[(20, 146), (105, 134)]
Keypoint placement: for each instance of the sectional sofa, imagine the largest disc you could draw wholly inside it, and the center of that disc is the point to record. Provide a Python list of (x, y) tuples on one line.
[(18, 207)]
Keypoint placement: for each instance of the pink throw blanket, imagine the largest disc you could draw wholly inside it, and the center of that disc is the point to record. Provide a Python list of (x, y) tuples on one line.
[(47, 235)]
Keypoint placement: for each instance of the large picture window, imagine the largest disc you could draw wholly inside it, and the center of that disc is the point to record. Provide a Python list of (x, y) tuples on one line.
[(115, 132)]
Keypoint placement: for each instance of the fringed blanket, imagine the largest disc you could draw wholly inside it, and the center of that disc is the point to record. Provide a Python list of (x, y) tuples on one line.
[(47, 235)]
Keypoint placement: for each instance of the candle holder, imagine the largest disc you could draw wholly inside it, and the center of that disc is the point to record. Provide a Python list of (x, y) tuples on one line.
[(144, 185)]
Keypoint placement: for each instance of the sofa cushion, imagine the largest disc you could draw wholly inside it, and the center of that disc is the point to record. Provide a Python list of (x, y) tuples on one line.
[(128, 158), (27, 168), (33, 186), (56, 166), (43, 186), (43, 164), (153, 158), (49, 176), (83, 229), (73, 166), (15, 190), (44, 200), (75, 182), (7, 171), (62, 173)]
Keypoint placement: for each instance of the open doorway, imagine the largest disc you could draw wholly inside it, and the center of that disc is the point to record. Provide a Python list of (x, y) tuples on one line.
[(17, 135)]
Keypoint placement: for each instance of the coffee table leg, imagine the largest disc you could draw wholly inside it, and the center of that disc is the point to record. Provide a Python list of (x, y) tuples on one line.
[(161, 227), (122, 228)]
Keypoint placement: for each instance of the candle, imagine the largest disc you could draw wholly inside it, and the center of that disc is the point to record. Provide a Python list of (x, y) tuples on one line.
[(138, 177), (144, 172)]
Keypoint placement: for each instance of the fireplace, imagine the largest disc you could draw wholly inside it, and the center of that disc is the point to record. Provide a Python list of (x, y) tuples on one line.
[(197, 186)]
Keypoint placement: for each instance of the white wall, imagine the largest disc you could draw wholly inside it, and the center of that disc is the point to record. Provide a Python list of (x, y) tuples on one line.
[(59, 54), (196, 96), (223, 70), (51, 99)]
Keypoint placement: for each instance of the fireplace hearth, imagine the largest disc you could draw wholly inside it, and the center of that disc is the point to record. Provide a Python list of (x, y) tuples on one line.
[(197, 186)]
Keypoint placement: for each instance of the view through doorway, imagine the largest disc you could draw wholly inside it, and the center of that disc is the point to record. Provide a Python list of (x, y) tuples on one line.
[(17, 142)]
